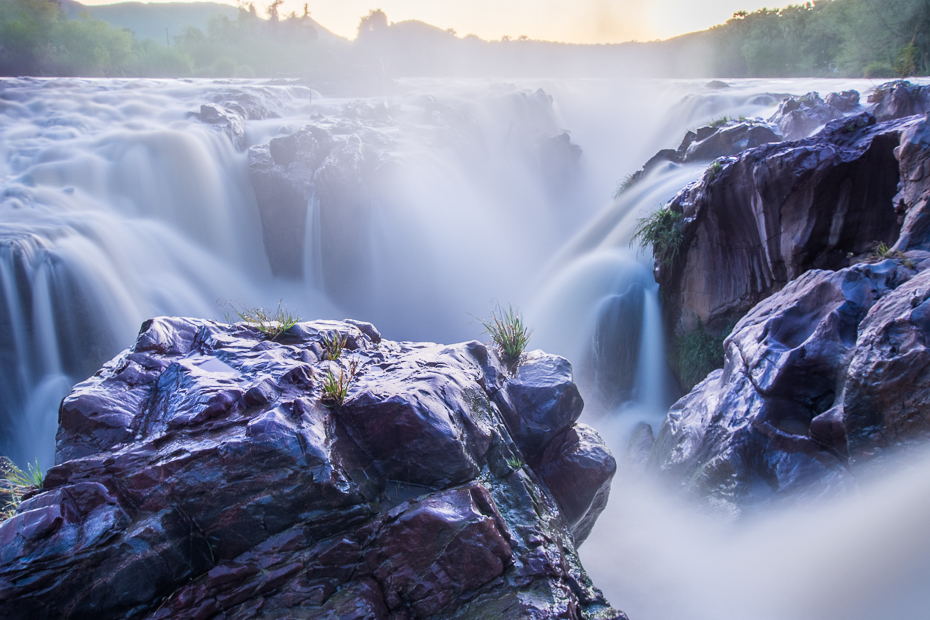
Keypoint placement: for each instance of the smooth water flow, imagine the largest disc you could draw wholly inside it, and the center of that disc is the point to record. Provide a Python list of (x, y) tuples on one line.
[(441, 200)]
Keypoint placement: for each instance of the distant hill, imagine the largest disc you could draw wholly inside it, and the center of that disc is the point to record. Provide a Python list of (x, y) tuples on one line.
[(151, 20)]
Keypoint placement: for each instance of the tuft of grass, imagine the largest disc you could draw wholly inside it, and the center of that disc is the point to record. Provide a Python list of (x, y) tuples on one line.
[(696, 355), (14, 483), (333, 344), (628, 182), (712, 170), (662, 232), (719, 122), (335, 389), (271, 323), (883, 251), (508, 332)]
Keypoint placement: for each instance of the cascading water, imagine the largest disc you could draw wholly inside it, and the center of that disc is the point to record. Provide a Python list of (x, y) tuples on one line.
[(120, 203)]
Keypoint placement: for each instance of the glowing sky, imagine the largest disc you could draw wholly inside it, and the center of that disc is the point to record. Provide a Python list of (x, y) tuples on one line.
[(576, 21)]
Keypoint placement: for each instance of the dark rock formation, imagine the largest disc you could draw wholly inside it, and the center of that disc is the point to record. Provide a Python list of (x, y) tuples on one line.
[(710, 142), (754, 223), (899, 99), (798, 117), (833, 353), (203, 473), (913, 199)]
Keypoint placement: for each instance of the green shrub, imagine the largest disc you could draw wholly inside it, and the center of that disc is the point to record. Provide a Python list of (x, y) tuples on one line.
[(696, 355), (878, 69), (508, 332), (662, 232)]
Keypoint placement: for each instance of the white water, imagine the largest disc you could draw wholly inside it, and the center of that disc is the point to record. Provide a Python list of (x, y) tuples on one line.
[(118, 205)]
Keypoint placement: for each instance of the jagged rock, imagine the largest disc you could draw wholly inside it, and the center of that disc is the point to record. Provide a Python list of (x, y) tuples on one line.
[(232, 119), (710, 142), (886, 403), (913, 199), (577, 468), (899, 99), (202, 473), (282, 174), (764, 426), (846, 101), (798, 117), (726, 140), (754, 223)]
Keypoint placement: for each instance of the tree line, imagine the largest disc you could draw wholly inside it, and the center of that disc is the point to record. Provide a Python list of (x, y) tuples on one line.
[(852, 38)]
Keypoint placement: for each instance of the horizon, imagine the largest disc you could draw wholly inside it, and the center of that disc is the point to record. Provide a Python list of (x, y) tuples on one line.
[(584, 22)]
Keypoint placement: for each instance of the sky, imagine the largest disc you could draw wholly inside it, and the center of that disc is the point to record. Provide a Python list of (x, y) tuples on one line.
[(570, 21)]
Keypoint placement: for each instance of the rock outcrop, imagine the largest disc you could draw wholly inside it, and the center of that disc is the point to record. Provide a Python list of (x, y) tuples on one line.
[(754, 223), (771, 422), (798, 117), (899, 99), (208, 472), (825, 371)]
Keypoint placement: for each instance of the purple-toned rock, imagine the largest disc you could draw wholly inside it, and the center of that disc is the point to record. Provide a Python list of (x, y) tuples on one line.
[(205, 473), (899, 99), (755, 430), (540, 401), (913, 198), (798, 117), (886, 404), (753, 224), (577, 467)]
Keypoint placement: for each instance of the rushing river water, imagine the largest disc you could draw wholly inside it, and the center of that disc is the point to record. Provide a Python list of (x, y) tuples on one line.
[(119, 203)]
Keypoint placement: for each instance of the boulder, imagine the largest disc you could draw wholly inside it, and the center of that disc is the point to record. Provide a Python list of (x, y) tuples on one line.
[(756, 222), (205, 472), (913, 198), (766, 425), (899, 99), (798, 117), (886, 402)]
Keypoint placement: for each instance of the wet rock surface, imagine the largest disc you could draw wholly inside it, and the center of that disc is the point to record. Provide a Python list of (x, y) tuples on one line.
[(899, 99), (754, 223), (825, 266), (203, 473), (798, 117)]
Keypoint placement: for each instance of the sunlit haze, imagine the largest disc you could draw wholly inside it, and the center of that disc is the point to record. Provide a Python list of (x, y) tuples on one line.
[(582, 21)]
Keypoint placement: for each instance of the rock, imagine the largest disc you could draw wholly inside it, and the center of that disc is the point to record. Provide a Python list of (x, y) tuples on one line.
[(899, 99), (764, 427), (886, 403), (202, 473), (729, 139), (846, 101), (710, 142), (754, 223), (798, 117), (578, 469), (232, 121), (283, 175), (913, 198)]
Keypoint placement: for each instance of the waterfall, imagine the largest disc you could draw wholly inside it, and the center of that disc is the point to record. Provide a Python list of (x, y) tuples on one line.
[(439, 201)]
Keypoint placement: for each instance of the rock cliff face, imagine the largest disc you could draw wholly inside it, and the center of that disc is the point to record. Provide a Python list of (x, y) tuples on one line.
[(825, 371), (756, 222), (204, 473), (819, 378)]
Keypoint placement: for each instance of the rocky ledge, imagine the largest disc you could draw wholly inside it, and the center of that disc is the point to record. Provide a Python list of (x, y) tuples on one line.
[(206, 472)]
